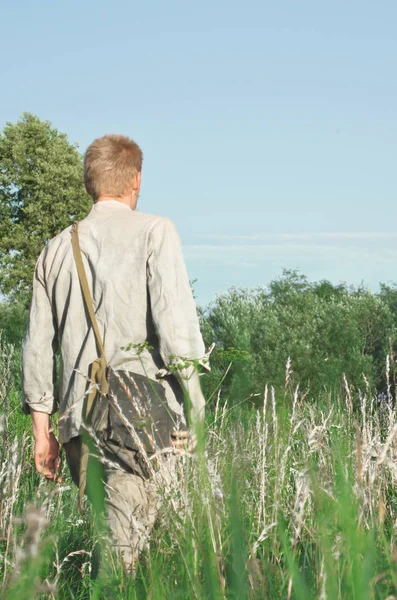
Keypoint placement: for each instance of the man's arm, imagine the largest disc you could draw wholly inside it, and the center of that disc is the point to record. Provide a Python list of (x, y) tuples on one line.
[(46, 454), (174, 310), (39, 374)]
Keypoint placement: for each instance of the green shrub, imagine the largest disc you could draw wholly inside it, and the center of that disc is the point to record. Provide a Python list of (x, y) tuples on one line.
[(327, 331), (13, 321)]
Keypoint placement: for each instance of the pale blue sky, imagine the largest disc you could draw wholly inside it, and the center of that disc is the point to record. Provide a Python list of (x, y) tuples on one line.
[(269, 128)]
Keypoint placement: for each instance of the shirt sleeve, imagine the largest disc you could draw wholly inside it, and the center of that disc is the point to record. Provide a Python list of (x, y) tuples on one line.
[(173, 309), (172, 303), (39, 350)]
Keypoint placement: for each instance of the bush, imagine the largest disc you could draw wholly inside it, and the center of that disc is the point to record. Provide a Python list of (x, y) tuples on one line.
[(327, 331), (13, 321)]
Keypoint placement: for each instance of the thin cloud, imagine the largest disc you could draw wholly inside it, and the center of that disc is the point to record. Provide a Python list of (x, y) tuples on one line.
[(311, 236), (290, 254)]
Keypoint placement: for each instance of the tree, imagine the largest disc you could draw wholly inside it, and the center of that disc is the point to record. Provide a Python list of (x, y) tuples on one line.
[(41, 193), (327, 331)]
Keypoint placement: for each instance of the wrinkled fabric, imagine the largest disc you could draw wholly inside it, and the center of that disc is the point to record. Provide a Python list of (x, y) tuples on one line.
[(141, 294), (132, 508), (129, 503)]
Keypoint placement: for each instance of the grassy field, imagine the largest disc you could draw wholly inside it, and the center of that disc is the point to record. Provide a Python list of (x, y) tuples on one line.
[(289, 498)]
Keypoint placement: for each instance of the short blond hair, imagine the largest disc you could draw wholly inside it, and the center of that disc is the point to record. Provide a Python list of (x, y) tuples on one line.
[(110, 164)]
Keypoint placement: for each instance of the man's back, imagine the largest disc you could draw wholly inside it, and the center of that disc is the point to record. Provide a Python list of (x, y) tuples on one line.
[(141, 293), (142, 299)]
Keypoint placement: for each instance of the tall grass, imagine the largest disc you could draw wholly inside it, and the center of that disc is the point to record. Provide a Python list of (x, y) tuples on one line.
[(292, 499)]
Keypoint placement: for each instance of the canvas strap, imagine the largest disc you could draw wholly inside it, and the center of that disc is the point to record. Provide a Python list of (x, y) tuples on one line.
[(85, 288), (98, 375)]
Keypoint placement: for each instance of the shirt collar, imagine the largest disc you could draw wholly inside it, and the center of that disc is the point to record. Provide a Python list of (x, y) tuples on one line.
[(105, 204)]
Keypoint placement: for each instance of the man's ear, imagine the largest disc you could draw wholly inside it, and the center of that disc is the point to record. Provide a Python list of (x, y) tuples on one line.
[(137, 182)]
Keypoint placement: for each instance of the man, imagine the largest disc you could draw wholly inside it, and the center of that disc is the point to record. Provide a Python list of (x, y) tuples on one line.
[(141, 294)]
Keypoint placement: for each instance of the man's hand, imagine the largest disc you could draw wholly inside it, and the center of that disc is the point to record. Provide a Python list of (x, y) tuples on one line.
[(183, 440), (47, 456)]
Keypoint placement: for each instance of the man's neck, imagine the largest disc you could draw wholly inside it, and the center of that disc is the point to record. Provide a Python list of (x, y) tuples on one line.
[(129, 200)]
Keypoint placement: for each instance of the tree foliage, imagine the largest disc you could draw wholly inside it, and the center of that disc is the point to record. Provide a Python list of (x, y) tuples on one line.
[(41, 193), (327, 331)]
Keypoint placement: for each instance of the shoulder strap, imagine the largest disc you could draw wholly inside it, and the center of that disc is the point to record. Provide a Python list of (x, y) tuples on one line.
[(85, 288)]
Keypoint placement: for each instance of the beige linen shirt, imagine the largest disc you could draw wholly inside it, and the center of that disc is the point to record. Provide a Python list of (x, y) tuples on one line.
[(141, 293)]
